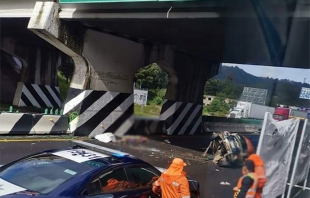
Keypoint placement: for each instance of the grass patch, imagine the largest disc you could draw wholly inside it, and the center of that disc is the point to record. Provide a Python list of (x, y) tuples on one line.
[(147, 111), (63, 86)]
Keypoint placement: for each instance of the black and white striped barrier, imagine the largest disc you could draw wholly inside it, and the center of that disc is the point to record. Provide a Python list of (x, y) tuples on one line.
[(41, 96), (99, 111), (181, 118), (27, 124)]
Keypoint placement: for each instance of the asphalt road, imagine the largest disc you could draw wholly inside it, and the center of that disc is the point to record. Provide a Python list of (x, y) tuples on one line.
[(157, 152)]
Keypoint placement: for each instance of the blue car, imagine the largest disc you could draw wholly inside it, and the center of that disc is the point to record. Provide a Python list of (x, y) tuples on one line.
[(83, 171)]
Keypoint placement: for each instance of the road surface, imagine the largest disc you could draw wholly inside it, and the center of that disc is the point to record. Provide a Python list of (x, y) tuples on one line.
[(157, 152)]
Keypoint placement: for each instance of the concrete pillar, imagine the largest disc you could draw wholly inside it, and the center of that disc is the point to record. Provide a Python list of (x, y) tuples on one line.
[(182, 109), (100, 94), (298, 48), (108, 105)]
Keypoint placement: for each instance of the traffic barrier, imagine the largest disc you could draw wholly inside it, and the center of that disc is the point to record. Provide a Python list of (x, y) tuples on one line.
[(217, 124), (25, 124), (49, 124), (15, 123)]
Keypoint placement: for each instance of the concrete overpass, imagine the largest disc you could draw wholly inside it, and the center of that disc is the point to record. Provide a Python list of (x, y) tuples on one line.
[(110, 41)]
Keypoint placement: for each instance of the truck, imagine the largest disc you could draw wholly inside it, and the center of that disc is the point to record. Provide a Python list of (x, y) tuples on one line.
[(249, 110), (282, 113)]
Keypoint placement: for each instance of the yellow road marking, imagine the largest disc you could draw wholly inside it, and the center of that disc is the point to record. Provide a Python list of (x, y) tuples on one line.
[(35, 140)]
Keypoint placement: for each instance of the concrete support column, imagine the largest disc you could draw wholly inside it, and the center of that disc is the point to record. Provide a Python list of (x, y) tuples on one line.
[(100, 95), (67, 38), (108, 105), (182, 109)]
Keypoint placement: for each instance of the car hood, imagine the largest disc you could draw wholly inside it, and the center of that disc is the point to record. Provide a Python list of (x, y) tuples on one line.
[(22, 194), (8, 189)]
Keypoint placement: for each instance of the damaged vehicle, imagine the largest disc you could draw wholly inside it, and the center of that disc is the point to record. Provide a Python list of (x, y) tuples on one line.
[(229, 149)]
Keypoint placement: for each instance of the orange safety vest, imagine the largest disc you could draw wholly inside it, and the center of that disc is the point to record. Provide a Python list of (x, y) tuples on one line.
[(259, 170), (252, 191)]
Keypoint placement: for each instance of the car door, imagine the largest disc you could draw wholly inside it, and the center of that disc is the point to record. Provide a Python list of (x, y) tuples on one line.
[(143, 176), (112, 183)]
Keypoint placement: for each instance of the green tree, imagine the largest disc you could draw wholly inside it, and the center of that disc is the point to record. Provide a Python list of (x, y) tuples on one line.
[(218, 106), (67, 70), (151, 77), (213, 86)]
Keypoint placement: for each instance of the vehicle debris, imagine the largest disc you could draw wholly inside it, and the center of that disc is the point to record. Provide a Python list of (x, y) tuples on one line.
[(229, 149)]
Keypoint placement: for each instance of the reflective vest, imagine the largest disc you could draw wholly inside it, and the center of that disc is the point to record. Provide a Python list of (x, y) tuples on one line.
[(251, 192), (261, 176)]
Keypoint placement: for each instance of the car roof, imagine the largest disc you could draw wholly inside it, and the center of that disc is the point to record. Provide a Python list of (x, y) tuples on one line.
[(78, 155)]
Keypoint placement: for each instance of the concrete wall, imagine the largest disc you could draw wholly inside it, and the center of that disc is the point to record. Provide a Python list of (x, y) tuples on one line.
[(265, 37), (113, 60)]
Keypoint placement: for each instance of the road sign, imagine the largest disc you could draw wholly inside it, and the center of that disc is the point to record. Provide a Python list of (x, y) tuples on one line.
[(305, 93), (115, 1)]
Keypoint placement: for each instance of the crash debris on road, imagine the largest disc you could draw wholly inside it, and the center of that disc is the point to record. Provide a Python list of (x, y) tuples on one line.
[(229, 149)]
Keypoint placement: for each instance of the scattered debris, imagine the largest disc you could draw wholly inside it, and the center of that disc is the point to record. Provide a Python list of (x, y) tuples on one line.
[(133, 139), (155, 150), (106, 137), (217, 170), (225, 183), (167, 141)]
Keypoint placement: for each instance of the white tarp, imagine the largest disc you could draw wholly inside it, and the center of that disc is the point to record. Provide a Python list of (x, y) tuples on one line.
[(277, 144), (303, 163)]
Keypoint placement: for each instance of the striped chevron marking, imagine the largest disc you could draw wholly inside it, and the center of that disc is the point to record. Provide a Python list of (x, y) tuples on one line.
[(181, 118), (15, 123), (101, 111), (40, 96), (20, 123), (50, 124)]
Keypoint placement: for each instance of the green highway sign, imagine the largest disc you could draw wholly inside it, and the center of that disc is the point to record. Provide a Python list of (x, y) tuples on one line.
[(115, 1)]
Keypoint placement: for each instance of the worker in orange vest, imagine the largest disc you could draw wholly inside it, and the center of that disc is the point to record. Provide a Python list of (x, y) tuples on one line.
[(173, 182), (247, 184), (260, 172)]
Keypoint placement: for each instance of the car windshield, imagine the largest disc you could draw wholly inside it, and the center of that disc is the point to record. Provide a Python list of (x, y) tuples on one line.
[(43, 173)]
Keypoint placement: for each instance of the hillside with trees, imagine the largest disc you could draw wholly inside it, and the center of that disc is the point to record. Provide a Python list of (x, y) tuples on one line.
[(231, 80)]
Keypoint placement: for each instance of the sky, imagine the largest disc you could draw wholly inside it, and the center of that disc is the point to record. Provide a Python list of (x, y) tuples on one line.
[(293, 74)]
